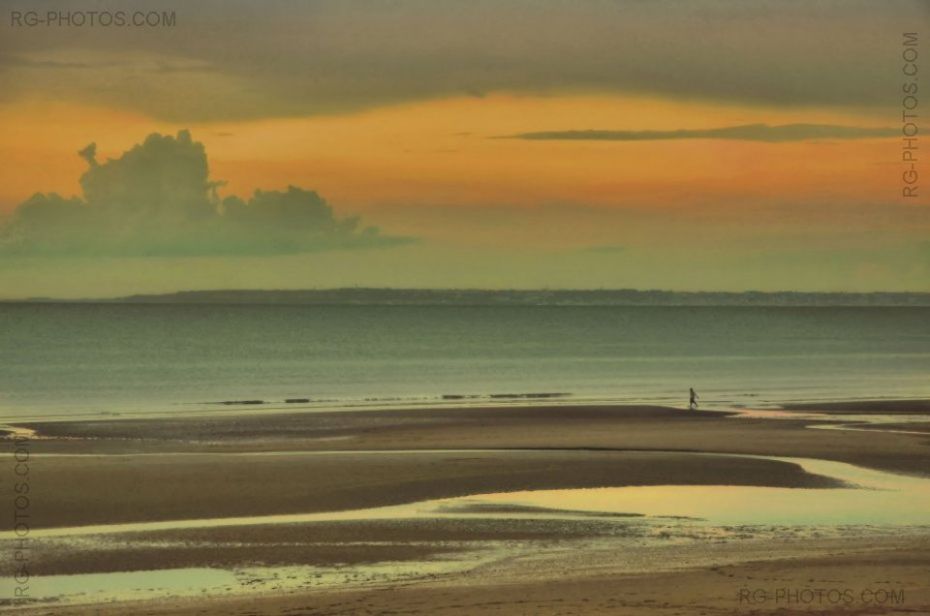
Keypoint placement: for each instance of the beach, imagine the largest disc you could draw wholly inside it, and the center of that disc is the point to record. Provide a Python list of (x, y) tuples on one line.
[(507, 308), (510, 509)]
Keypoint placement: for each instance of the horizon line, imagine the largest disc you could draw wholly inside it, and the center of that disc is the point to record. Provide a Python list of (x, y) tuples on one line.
[(127, 298)]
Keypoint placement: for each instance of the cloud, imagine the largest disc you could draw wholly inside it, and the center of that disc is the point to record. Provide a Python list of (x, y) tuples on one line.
[(745, 132), (236, 59), (157, 200)]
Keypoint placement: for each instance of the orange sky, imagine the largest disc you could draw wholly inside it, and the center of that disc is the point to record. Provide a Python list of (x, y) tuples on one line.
[(441, 152), (488, 212), (393, 111)]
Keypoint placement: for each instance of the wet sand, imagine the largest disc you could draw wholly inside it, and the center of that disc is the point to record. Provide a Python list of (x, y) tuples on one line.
[(118, 471), (560, 427), (115, 489), (882, 575), (713, 589), (885, 407)]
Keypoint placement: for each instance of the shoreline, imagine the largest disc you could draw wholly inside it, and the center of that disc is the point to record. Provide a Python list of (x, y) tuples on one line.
[(619, 428), (237, 408)]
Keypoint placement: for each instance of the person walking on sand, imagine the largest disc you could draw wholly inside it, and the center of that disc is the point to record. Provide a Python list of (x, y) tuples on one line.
[(692, 402)]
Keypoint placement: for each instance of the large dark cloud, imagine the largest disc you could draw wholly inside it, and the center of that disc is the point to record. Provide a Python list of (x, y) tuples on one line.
[(245, 59), (157, 200), (746, 132)]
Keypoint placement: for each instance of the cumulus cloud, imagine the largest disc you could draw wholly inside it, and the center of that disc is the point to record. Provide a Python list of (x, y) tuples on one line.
[(157, 200), (745, 132)]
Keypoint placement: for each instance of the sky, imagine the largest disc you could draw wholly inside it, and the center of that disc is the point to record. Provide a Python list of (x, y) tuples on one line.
[(703, 145)]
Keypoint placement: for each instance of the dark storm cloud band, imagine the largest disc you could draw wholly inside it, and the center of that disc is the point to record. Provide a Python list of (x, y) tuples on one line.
[(278, 58), (746, 132)]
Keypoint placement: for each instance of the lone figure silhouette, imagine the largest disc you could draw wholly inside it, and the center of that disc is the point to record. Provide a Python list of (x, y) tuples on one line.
[(692, 402)]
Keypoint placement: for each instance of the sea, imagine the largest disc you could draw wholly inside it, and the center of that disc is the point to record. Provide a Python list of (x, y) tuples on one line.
[(61, 361)]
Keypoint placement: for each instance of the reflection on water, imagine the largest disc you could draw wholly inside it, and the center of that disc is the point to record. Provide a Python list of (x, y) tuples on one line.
[(124, 585), (858, 422), (877, 498), (880, 500), (163, 583)]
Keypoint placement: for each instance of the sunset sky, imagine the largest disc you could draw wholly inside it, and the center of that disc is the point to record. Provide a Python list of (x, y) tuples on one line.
[(733, 145)]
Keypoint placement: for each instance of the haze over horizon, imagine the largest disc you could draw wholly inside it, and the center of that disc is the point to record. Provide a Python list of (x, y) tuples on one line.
[(486, 145)]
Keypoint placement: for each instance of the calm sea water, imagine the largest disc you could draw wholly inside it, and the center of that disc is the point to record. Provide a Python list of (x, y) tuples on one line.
[(68, 360)]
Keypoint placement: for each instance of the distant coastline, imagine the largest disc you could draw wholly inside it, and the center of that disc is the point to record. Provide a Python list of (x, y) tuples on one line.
[(487, 297)]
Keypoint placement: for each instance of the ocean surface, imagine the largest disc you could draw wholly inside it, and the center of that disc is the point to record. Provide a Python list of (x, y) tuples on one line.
[(78, 360)]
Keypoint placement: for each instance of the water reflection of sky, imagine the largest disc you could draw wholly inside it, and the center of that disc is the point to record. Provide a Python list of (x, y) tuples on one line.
[(93, 587), (879, 499), (874, 498)]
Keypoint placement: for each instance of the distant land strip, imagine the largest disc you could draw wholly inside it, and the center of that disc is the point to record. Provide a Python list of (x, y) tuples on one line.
[(745, 132), (542, 297)]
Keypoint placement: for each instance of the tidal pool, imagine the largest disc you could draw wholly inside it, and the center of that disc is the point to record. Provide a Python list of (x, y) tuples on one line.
[(874, 498), (871, 499), (124, 585)]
